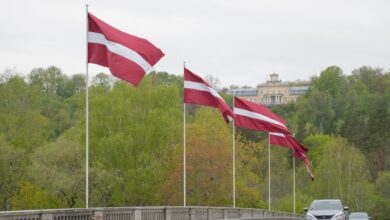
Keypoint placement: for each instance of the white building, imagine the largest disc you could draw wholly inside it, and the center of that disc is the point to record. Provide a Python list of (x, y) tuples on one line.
[(272, 92)]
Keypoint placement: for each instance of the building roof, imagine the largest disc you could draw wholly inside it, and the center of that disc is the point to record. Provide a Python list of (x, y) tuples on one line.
[(297, 90), (244, 91), (269, 84)]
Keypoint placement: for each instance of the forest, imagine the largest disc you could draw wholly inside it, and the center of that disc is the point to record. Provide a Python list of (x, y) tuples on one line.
[(136, 144)]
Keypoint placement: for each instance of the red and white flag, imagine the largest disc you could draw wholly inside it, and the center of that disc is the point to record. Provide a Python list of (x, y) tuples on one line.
[(198, 91), (279, 139), (308, 168), (256, 117), (286, 140), (128, 57)]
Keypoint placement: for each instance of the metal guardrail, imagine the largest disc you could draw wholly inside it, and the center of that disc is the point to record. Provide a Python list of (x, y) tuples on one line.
[(149, 213)]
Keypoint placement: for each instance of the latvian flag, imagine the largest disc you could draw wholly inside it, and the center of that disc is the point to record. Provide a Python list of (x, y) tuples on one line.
[(280, 140), (286, 140), (197, 91), (128, 57), (256, 117)]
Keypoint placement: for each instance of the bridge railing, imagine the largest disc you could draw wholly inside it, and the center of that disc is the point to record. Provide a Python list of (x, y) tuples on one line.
[(148, 213)]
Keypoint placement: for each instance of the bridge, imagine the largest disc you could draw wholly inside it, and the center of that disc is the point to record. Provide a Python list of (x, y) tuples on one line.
[(149, 213)]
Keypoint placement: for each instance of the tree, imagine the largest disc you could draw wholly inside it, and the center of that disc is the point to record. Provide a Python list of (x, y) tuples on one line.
[(30, 197), (58, 169), (12, 170), (50, 80), (209, 166), (58, 114), (249, 175), (331, 81), (104, 80), (318, 109), (71, 86), (381, 206), (383, 184), (136, 144), (20, 120), (323, 105), (208, 161), (356, 116), (213, 81), (342, 173), (7, 73), (103, 185), (166, 79), (373, 78), (130, 132)]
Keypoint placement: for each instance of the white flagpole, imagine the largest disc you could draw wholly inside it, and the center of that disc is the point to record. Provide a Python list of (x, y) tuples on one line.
[(86, 117), (294, 181), (234, 160), (184, 147), (269, 172)]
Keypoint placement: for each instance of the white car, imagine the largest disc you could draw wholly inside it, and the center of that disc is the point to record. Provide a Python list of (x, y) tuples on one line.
[(331, 209), (359, 216)]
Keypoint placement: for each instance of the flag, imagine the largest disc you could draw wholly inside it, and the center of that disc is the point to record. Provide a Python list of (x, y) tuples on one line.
[(128, 57), (300, 151), (197, 91), (308, 168), (287, 140), (279, 139), (303, 157), (256, 117)]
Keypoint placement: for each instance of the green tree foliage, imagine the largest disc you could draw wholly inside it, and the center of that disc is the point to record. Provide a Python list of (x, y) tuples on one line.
[(318, 110), (136, 144), (381, 206), (342, 173), (30, 197), (209, 153), (322, 106), (209, 165), (20, 120), (249, 176), (383, 184), (130, 131), (355, 106), (53, 83), (12, 171), (103, 80), (58, 169)]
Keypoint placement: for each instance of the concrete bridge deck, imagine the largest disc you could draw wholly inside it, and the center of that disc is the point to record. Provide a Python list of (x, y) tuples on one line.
[(149, 213)]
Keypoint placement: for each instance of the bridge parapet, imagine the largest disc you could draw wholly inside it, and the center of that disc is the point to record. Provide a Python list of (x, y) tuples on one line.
[(149, 213)]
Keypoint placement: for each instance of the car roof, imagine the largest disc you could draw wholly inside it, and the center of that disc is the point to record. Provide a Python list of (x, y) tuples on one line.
[(358, 213), (338, 200)]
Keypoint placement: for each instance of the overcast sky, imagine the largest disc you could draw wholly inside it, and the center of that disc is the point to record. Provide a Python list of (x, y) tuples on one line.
[(239, 41)]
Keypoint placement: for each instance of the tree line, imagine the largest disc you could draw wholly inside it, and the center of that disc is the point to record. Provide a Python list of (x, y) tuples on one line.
[(136, 144)]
